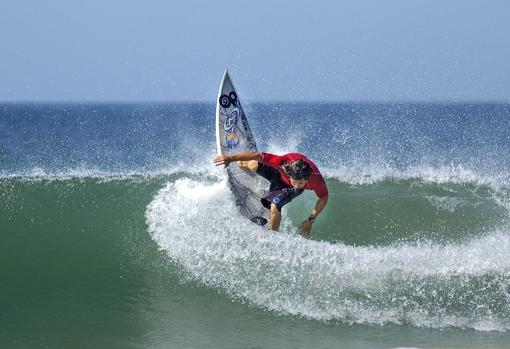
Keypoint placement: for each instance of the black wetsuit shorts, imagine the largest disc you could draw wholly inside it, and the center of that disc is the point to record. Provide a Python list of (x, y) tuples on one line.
[(280, 193)]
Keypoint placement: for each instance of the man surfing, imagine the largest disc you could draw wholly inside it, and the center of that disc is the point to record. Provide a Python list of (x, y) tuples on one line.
[(289, 175)]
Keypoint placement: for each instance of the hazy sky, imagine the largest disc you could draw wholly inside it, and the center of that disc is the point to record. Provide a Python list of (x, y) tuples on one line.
[(275, 50)]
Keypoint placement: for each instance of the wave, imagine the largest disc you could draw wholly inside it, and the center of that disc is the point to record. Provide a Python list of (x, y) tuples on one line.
[(464, 284), (355, 174), (100, 174)]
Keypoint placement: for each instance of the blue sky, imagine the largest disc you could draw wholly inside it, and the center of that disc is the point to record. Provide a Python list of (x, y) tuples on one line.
[(285, 50)]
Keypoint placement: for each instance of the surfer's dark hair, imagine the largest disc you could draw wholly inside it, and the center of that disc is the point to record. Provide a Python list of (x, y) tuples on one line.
[(298, 169)]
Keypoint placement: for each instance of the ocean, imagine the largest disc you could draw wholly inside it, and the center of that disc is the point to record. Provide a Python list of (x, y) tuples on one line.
[(116, 230)]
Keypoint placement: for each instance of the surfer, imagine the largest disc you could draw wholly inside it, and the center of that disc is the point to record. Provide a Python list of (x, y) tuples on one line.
[(289, 175)]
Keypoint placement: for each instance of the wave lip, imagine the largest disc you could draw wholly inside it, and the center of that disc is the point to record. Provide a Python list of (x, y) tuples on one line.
[(464, 285), (82, 172), (455, 174)]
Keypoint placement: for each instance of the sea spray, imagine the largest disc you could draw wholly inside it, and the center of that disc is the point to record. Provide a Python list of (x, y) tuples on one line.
[(423, 284)]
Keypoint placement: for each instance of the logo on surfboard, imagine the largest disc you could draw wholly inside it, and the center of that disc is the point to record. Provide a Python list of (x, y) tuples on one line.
[(231, 119), (227, 100), (232, 139)]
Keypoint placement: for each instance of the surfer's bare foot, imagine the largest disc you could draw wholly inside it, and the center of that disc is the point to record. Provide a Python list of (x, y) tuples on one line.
[(249, 166)]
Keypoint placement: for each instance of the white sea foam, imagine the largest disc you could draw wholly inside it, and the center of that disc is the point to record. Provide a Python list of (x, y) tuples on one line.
[(369, 174), (461, 285), (83, 172), (351, 174)]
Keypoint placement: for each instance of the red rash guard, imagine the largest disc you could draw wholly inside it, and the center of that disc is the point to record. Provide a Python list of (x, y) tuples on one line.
[(315, 181)]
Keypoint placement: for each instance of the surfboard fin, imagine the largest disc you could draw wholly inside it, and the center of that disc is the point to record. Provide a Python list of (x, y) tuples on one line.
[(259, 220)]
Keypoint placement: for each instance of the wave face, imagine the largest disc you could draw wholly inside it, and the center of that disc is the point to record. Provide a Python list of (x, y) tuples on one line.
[(416, 231), (423, 283)]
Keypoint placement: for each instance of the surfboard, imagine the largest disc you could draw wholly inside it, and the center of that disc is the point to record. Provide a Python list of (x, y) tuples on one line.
[(233, 135)]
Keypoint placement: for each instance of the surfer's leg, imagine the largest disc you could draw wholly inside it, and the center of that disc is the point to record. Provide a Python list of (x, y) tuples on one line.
[(250, 165), (276, 217), (271, 175)]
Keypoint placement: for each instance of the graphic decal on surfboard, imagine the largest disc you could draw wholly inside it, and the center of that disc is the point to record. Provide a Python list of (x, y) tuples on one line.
[(233, 135)]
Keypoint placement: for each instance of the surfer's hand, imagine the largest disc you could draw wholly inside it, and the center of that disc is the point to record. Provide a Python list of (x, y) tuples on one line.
[(306, 227), (223, 160)]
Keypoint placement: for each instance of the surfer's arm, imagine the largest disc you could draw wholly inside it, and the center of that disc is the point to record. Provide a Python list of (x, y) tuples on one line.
[(306, 226), (318, 185), (226, 159), (321, 203)]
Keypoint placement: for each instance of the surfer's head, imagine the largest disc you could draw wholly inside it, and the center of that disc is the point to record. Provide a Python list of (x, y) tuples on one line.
[(299, 171)]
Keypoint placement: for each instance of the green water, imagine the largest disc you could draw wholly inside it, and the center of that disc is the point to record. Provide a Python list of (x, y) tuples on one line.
[(404, 210), (79, 270)]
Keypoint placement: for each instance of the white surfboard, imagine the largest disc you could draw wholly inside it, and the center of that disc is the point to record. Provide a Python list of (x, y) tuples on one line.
[(233, 135)]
